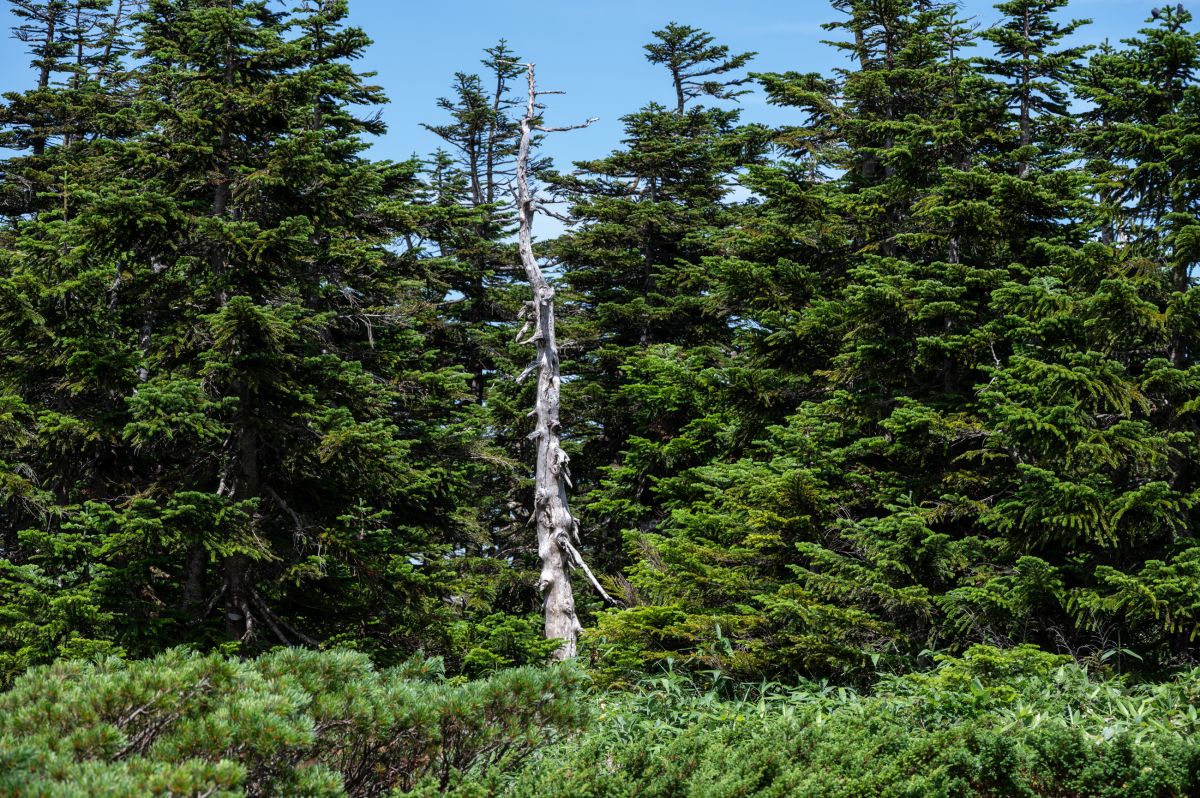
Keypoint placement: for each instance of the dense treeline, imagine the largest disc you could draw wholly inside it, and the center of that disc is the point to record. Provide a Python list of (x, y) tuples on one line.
[(844, 397)]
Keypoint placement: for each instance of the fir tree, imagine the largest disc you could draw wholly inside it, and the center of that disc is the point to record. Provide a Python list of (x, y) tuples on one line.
[(873, 523), (237, 359), (645, 321), (697, 66), (1141, 140), (1035, 72)]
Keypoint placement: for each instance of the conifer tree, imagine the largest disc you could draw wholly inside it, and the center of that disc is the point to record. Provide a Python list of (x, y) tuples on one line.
[(237, 363), (1139, 138), (476, 266), (462, 231), (869, 525), (644, 323), (1141, 144), (74, 45), (697, 66), (43, 28), (929, 381), (1035, 72)]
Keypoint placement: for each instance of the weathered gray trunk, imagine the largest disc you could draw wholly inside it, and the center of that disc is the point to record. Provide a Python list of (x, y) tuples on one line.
[(557, 529), (554, 522), (239, 622)]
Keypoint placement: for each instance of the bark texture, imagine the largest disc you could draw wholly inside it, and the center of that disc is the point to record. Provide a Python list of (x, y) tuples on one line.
[(557, 529)]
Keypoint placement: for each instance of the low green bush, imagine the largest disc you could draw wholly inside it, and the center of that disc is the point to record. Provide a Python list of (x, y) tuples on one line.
[(991, 723), (291, 723)]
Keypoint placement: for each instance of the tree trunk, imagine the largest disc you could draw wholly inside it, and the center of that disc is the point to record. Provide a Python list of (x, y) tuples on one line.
[(239, 623), (553, 518), (557, 529), (193, 586)]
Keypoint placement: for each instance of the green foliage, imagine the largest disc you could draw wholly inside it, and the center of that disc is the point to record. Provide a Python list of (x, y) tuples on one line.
[(901, 396), (992, 723), (500, 641), (224, 412), (289, 723), (911, 373), (958, 404), (648, 335)]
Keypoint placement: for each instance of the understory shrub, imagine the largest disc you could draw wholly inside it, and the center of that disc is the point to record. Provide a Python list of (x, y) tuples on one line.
[(991, 723), (290, 723)]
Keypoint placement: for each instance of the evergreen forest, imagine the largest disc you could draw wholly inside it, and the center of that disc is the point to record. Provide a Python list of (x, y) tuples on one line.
[(882, 424)]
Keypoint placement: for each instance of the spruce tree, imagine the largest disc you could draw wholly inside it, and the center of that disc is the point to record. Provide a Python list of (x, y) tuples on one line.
[(698, 67), (43, 28), (477, 270), (75, 46), (1139, 138)]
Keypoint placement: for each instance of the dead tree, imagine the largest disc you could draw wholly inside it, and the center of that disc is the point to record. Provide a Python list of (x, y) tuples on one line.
[(557, 529)]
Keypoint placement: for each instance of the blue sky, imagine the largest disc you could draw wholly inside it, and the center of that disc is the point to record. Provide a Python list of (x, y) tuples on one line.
[(592, 49)]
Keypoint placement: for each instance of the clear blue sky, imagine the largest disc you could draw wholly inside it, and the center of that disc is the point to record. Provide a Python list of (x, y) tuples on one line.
[(591, 49)]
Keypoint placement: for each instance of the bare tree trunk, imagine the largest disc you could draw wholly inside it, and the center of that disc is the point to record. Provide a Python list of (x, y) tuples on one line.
[(557, 529), (239, 622)]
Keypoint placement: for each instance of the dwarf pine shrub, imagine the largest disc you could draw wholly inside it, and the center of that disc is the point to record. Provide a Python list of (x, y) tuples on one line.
[(291, 723)]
